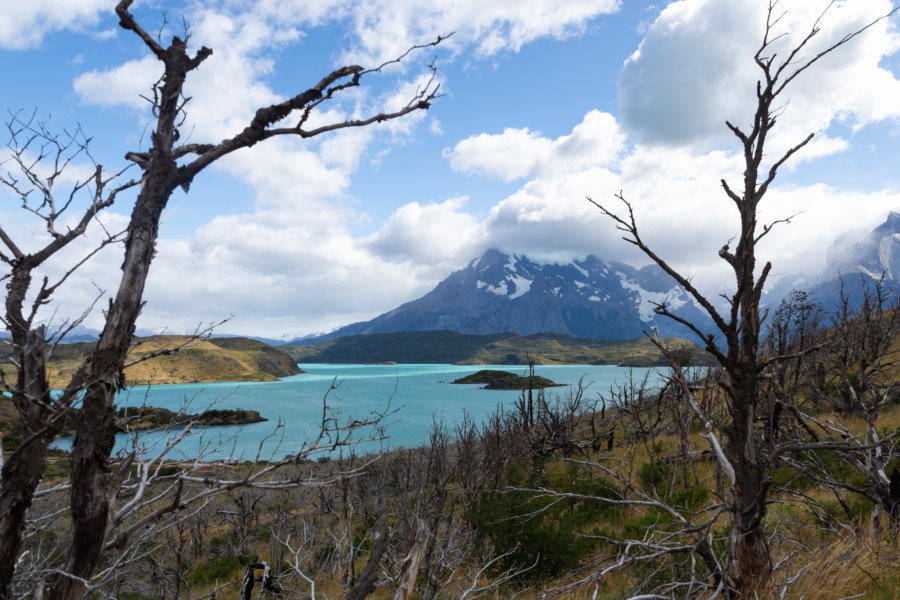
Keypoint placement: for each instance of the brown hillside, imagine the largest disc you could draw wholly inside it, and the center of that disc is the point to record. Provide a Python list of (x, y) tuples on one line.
[(221, 359)]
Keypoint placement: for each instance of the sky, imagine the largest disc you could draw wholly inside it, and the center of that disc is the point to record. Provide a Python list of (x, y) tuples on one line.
[(544, 103)]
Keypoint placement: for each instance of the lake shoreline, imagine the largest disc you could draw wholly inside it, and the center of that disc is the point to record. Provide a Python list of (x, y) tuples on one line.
[(413, 396)]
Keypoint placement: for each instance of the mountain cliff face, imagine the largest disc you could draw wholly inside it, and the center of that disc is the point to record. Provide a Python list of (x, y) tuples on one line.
[(500, 293), (872, 253), (856, 260)]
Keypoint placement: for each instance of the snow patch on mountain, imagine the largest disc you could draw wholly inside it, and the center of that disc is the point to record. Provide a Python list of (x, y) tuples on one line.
[(498, 290), (511, 263), (647, 301), (581, 270), (522, 286), (885, 252)]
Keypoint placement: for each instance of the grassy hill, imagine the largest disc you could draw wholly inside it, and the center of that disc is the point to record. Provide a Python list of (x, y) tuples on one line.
[(216, 359), (501, 348)]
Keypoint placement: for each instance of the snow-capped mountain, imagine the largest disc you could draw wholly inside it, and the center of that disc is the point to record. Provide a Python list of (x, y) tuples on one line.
[(500, 293)]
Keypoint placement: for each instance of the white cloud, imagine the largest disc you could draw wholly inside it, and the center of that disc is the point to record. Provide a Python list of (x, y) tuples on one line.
[(385, 28), (120, 86), (24, 24), (694, 70), (439, 235), (84, 286), (274, 274), (519, 153), (682, 214), (514, 154)]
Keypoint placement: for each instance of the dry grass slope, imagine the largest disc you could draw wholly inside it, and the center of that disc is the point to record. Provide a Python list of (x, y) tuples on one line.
[(212, 360)]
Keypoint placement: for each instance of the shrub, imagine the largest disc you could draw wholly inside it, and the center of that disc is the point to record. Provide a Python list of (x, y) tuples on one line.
[(655, 476), (542, 530), (218, 569), (690, 498)]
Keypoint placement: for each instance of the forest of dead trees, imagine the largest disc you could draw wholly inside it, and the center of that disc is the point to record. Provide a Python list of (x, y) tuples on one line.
[(770, 473), (588, 493)]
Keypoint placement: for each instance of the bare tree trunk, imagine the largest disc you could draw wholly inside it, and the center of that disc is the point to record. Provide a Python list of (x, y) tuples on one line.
[(738, 351), (93, 481), (750, 491), (23, 469), (164, 167), (366, 583), (412, 561)]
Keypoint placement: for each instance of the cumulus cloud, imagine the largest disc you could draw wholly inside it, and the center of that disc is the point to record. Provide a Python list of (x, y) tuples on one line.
[(519, 153), (694, 70), (274, 275), (25, 24), (439, 234), (513, 154), (383, 28), (94, 277), (120, 86), (292, 262), (682, 213)]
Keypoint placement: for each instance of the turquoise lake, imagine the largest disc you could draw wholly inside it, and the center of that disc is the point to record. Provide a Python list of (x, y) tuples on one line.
[(417, 395)]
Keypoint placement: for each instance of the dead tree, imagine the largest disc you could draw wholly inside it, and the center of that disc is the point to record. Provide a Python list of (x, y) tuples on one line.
[(167, 165), (861, 360), (736, 347)]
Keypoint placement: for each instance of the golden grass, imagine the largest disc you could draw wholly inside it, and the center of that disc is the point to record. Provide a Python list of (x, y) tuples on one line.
[(866, 566), (203, 362)]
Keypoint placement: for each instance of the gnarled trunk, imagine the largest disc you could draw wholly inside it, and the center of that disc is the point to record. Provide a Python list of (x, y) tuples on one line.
[(23, 469), (94, 482)]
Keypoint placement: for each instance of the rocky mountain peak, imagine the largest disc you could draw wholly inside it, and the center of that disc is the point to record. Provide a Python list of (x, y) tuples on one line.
[(890, 226), (501, 292), (857, 259)]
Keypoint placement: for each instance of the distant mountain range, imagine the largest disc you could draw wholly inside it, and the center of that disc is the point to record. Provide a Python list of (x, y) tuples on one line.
[(593, 298), (500, 293)]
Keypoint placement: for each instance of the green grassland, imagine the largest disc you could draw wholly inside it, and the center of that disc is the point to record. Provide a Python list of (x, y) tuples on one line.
[(497, 349)]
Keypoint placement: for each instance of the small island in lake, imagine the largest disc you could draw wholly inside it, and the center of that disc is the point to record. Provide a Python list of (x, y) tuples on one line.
[(503, 380), (153, 417)]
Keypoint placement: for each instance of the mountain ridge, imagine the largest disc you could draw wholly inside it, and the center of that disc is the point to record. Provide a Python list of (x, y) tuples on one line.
[(857, 260), (509, 293)]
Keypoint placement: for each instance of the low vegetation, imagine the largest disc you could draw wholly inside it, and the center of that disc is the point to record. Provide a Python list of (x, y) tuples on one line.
[(504, 380), (563, 495), (497, 349)]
